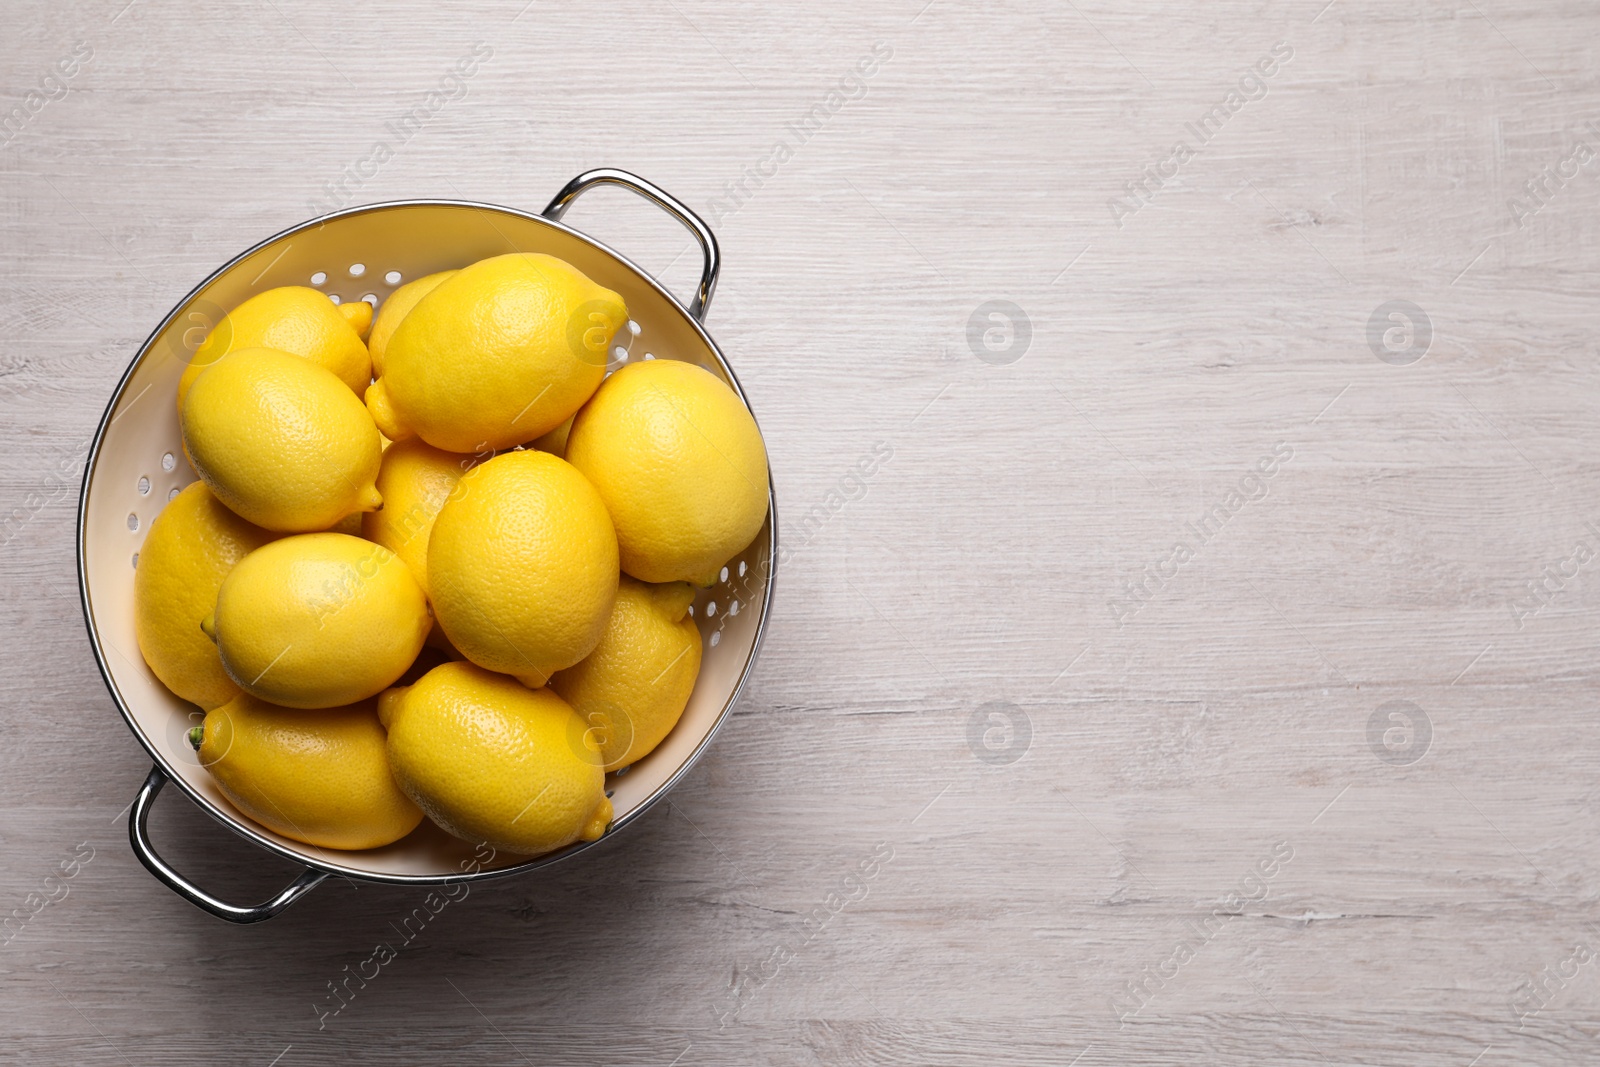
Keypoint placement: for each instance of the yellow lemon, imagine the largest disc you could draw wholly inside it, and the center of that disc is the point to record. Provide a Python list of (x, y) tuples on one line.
[(191, 547), (280, 441), (493, 761), (321, 777), (522, 566), (555, 442), (679, 461), (358, 313), (426, 660), (437, 640), (395, 308), (415, 480), (633, 687), (319, 620), (293, 319), (498, 354), (350, 524)]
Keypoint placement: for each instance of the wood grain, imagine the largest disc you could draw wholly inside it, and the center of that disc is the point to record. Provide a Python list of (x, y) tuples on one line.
[(974, 576)]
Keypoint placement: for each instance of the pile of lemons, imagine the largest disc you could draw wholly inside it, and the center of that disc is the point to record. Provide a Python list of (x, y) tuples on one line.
[(438, 563)]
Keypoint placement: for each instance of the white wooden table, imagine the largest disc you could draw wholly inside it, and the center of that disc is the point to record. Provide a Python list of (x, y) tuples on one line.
[(1041, 764)]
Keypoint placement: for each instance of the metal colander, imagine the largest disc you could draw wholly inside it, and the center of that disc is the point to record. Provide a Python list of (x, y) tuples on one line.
[(136, 465)]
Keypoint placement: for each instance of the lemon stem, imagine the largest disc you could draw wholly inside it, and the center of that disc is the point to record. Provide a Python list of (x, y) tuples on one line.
[(197, 735)]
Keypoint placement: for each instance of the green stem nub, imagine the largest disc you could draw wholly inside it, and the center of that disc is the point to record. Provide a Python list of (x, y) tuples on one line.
[(197, 735)]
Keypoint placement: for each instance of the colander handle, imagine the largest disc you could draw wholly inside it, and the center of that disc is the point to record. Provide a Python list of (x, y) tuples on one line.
[(139, 835), (666, 202)]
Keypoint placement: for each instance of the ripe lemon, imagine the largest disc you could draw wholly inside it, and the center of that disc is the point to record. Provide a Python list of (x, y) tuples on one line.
[(280, 441), (358, 313), (679, 462), (350, 524), (321, 777), (493, 761), (522, 566), (429, 658), (191, 547), (555, 442), (319, 620), (395, 308), (633, 687), (498, 354), (415, 480), (293, 319)]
